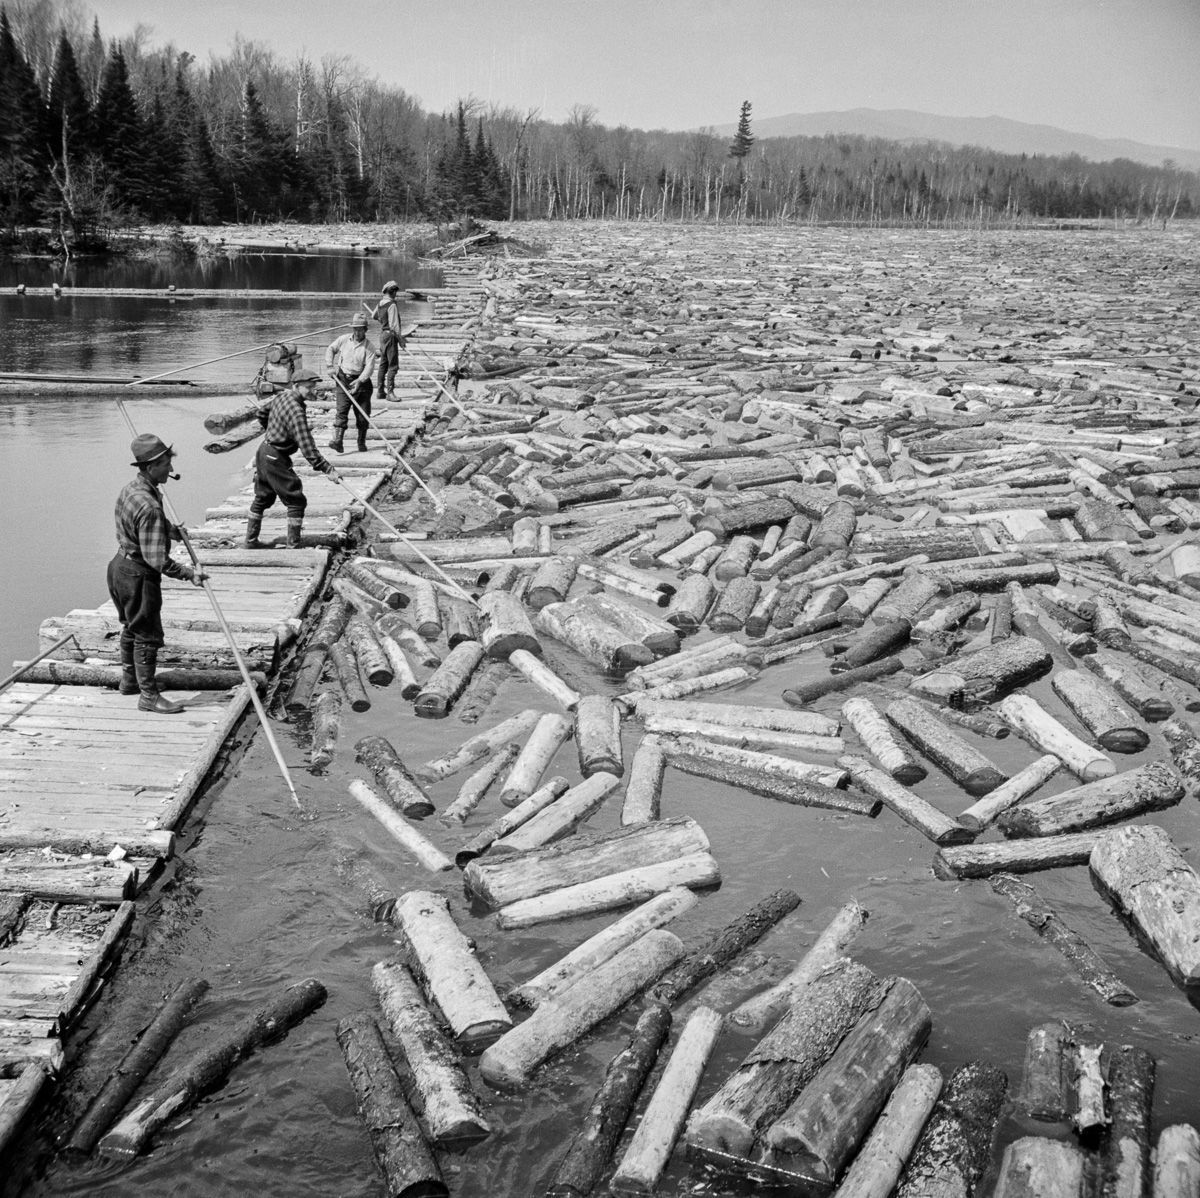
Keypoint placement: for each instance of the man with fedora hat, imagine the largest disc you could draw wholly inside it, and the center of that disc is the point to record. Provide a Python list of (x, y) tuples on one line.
[(350, 361), (391, 339), (274, 475), (135, 574)]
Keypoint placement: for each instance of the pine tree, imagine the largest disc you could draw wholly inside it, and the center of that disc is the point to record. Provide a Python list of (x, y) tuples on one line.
[(743, 139), (119, 133), (68, 113), (22, 143)]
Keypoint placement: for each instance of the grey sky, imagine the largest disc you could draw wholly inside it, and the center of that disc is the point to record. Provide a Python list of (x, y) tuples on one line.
[(1111, 68)]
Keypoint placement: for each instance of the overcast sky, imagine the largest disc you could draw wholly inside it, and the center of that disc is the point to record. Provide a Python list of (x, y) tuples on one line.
[(1111, 68)]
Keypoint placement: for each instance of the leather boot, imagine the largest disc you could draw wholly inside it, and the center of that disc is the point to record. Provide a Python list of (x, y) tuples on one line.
[(362, 441), (336, 441), (145, 659), (253, 528), (390, 393), (129, 682), (294, 525)]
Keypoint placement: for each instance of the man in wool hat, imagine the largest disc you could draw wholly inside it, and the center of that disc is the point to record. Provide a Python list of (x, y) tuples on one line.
[(135, 574), (274, 475), (350, 362), (391, 341)]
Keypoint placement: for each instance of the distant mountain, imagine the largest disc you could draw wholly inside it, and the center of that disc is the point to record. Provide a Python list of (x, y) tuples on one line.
[(993, 132)]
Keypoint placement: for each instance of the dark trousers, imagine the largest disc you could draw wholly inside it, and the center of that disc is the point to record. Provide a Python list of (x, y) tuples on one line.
[(389, 359), (276, 478), (136, 591), (362, 396)]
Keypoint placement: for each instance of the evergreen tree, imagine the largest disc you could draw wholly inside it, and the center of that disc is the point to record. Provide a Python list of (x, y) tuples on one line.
[(119, 134), (22, 152), (743, 139), (68, 113), (263, 176)]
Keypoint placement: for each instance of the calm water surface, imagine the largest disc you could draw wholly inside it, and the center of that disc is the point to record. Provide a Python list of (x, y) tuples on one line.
[(258, 898)]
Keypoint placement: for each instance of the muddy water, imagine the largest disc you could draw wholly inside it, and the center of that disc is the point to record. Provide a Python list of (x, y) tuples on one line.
[(258, 898)]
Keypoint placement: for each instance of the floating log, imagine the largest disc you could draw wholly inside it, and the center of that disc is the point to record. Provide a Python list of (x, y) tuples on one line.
[(875, 1170), (722, 946), (953, 1150), (717, 737), (862, 601), (441, 959), (1177, 1162), (872, 729), (425, 851), (460, 623), (580, 961), (1147, 700), (785, 1061), (948, 615), (331, 624), (544, 678), (824, 1124), (1147, 878), (1035, 1167), (876, 642), (837, 526), (509, 1063), (1100, 711), (312, 666), (945, 748), (805, 693), (592, 1146), (136, 1065), (1031, 722), (1015, 856), (551, 581), (359, 573), (475, 788), (561, 817), (404, 1158), (690, 604), (450, 1112), (596, 639), (402, 672), (479, 746), (735, 559), (524, 811), (345, 666), (1090, 1118), (643, 791), (976, 678), (910, 595), (1044, 920), (985, 811), (506, 628), (735, 716), (1185, 751), (20, 1097), (1045, 1092), (549, 734), (598, 736), (448, 681), (1148, 788), (208, 1068), (911, 808), (326, 726), (402, 789), (663, 1119), (1126, 1155), (753, 513)]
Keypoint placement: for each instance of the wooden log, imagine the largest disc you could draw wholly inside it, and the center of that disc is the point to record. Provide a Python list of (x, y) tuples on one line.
[(475, 788), (805, 693), (448, 681), (722, 946), (544, 678), (589, 1152), (643, 791), (1015, 856), (1035, 725), (403, 1156), (524, 811), (875, 1170), (403, 790), (1045, 1092), (208, 1068), (505, 881), (450, 1112), (878, 641), (1125, 1166), (657, 635), (753, 513), (690, 604), (954, 1149), (359, 573), (1185, 752), (418, 650), (1035, 1167), (1175, 666), (562, 817), (1148, 788), (458, 618), (945, 748), (696, 742), (404, 833), (510, 1062), (598, 736), (986, 674), (760, 1011), (911, 808), (824, 1124), (593, 952), (596, 639), (312, 666), (77, 673), (451, 976), (506, 628), (1148, 880), (785, 1061), (331, 625), (1044, 920), (719, 737), (326, 726), (1100, 711), (948, 615), (862, 601), (620, 889), (837, 526), (345, 665), (662, 1121), (1090, 1119), (402, 672), (872, 729), (1177, 1162), (1147, 700), (136, 1064), (551, 581), (700, 684), (479, 746), (985, 811), (735, 716), (910, 595), (549, 734), (19, 1100)]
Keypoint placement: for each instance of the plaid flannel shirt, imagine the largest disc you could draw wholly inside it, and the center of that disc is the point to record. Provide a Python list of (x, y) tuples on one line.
[(287, 430), (143, 532)]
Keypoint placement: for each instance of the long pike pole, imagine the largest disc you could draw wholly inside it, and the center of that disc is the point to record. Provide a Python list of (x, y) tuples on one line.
[(25, 667), (225, 358), (237, 653), (437, 503)]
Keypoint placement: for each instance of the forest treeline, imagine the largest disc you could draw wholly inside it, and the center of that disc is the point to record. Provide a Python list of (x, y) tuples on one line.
[(96, 133)]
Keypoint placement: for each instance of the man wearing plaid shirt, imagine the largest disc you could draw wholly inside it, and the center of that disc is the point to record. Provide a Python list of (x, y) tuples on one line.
[(274, 475), (135, 574)]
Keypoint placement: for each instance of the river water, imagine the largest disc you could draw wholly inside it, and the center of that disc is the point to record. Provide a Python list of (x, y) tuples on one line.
[(258, 898)]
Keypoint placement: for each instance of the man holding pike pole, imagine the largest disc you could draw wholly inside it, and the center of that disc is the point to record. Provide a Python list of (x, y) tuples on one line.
[(274, 475), (350, 362), (135, 574)]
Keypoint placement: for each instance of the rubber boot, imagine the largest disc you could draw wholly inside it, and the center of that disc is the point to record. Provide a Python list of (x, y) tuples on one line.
[(390, 393), (253, 528), (336, 442), (294, 525), (145, 659), (362, 440), (129, 682)]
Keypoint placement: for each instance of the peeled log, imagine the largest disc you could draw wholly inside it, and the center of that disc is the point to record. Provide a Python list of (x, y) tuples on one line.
[(983, 813), (479, 746), (561, 817), (804, 693), (1177, 1162), (734, 715), (1148, 788), (326, 725), (1149, 881), (402, 789), (1100, 711), (691, 603), (945, 748), (1030, 721), (864, 717), (505, 626), (911, 808), (1036, 1167), (510, 820), (1015, 856), (548, 736), (643, 790), (598, 736)]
